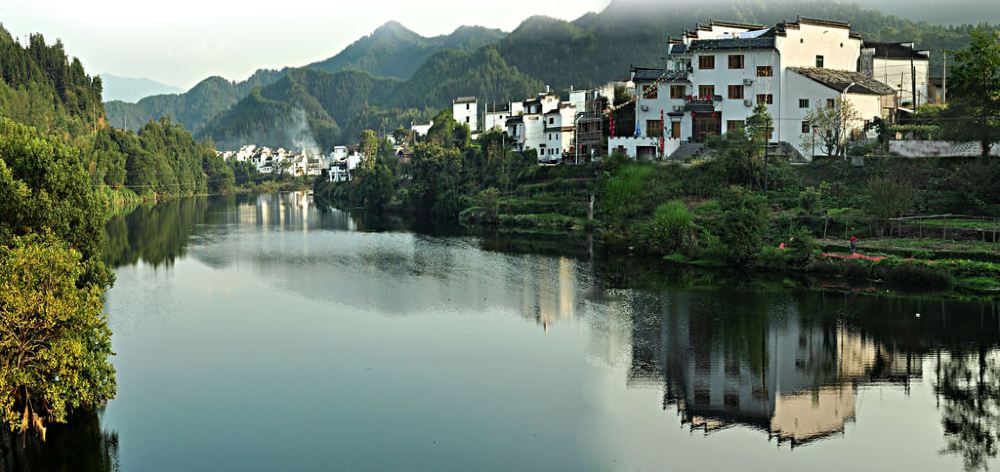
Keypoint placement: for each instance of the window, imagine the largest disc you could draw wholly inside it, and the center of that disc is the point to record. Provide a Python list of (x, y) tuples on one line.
[(732, 401), (466, 106), (765, 71), (736, 61), (819, 62), (734, 126), (706, 92), (676, 91), (467, 119), (654, 129), (765, 98), (806, 127), (552, 121), (831, 102), (649, 91), (706, 62), (803, 103), (736, 92)]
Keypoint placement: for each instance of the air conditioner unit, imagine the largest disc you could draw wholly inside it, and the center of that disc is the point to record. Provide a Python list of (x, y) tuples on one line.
[(644, 108), (747, 82), (748, 103)]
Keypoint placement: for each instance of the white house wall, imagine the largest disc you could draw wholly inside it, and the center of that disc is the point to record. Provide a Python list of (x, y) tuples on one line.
[(800, 46), (896, 74)]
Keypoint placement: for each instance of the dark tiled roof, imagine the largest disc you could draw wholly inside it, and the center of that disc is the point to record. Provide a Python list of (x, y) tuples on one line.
[(465, 100), (734, 24), (840, 79), (821, 22), (732, 43), (895, 51), (644, 74), (497, 107)]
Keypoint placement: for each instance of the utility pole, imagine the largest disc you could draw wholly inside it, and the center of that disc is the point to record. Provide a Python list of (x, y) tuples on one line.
[(944, 78), (913, 81)]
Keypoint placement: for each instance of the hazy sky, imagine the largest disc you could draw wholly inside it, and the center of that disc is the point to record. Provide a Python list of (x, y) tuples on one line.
[(179, 42)]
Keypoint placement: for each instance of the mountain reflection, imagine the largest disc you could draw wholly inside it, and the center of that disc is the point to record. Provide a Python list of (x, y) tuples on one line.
[(725, 351)]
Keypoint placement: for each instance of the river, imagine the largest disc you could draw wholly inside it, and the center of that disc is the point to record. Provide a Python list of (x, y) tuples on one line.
[(265, 333)]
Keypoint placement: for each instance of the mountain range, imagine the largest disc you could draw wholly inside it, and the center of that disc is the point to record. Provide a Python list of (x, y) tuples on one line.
[(129, 89), (395, 76)]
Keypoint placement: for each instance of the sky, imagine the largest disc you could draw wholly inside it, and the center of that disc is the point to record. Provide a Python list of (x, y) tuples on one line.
[(180, 42)]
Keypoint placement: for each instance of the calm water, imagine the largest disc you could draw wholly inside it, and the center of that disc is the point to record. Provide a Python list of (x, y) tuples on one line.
[(264, 333)]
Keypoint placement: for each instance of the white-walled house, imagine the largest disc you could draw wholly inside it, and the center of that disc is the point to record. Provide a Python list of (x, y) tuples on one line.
[(559, 133), (496, 115), (896, 65), (421, 130), (465, 110), (717, 74)]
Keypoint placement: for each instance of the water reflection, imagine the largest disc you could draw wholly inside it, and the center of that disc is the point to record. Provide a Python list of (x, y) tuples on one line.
[(727, 352), (84, 446)]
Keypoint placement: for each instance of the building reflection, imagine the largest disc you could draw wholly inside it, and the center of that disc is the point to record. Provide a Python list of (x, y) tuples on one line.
[(764, 366)]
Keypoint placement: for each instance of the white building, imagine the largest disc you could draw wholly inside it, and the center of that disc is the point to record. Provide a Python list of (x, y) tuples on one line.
[(718, 73), (465, 110), (559, 129), (421, 130), (496, 115), (896, 65)]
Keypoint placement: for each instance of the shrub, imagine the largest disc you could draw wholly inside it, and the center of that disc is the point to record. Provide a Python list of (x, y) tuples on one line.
[(802, 247), (741, 225), (489, 202), (670, 229)]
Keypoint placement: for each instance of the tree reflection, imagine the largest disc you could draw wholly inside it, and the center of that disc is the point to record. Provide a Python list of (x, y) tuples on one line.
[(81, 445), (968, 387)]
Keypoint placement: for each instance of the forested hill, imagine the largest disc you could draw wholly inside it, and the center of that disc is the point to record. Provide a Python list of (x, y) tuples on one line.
[(194, 108), (395, 51), (334, 108), (42, 87)]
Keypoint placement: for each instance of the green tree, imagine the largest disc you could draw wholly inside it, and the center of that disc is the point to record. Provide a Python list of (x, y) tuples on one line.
[(368, 145), (43, 187), (831, 124), (56, 342), (974, 92), (741, 224), (489, 202)]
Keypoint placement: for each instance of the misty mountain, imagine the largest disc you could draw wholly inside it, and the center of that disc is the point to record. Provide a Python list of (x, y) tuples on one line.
[(336, 107), (395, 51), (193, 108), (129, 89)]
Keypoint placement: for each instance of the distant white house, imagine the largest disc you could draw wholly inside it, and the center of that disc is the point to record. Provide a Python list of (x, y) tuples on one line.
[(559, 129), (421, 130), (465, 110)]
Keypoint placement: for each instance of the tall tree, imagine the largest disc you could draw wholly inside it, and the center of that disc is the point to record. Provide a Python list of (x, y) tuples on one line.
[(368, 144), (974, 111)]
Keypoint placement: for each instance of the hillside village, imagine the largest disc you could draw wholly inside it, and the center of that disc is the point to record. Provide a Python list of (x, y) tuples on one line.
[(712, 78)]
